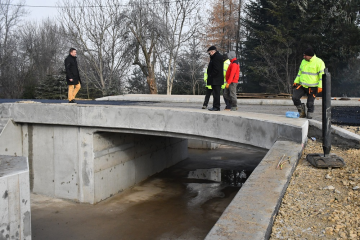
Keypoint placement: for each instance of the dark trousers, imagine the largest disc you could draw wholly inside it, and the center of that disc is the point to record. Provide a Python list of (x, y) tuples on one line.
[(207, 96), (311, 95), (216, 96), (227, 102), (230, 94)]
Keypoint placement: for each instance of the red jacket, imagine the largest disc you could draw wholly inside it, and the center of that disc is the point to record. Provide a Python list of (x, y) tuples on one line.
[(233, 72)]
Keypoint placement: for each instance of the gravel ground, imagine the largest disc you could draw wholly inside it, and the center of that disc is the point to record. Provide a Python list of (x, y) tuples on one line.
[(322, 203)]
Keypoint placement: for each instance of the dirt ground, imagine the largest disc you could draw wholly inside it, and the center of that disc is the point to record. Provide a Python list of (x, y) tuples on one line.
[(322, 203)]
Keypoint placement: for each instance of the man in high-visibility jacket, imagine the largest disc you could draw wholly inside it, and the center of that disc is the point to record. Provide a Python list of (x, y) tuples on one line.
[(308, 82), (208, 87)]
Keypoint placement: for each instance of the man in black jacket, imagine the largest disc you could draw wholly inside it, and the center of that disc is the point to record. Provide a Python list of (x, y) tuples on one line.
[(215, 76), (72, 75)]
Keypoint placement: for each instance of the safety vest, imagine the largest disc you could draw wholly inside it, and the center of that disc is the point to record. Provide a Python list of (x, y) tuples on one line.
[(310, 73), (225, 68)]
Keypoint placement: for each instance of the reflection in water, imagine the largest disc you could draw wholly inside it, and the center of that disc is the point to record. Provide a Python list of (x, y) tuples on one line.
[(205, 192), (231, 177), (212, 174)]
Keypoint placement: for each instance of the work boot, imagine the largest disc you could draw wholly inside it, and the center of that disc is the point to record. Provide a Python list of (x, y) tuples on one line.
[(234, 109), (301, 109), (310, 115), (204, 107)]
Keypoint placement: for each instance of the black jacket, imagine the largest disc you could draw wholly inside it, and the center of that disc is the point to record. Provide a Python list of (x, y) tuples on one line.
[(215, 70), (72, 70)]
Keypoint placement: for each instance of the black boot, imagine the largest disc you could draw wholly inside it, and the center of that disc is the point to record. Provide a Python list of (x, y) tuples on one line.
[(301, 109)]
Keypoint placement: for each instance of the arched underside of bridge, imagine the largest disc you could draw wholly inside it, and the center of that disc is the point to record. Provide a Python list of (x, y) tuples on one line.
[(88, 153)]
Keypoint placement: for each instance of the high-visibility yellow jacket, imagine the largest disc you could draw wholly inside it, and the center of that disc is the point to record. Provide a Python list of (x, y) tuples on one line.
[(226, 66), (310, 73)]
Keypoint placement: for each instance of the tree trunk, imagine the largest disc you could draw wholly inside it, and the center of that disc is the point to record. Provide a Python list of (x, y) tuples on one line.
[(152, 83)]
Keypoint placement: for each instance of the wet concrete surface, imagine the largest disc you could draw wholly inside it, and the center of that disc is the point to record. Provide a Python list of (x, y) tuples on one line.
[(181, 202)]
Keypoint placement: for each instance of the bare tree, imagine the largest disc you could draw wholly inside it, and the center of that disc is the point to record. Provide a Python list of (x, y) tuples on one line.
[(10, 16), (182, 20), (96, 29), (145, 24)]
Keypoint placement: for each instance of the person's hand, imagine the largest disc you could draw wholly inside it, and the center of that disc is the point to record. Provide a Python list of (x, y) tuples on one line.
[(295, 85), (227, 85), (70, 80), (319, 90)]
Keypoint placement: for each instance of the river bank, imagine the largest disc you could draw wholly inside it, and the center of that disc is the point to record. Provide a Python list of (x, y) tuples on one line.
[(322, 203)]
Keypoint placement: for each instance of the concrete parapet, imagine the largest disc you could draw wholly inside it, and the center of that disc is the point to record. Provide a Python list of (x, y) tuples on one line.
[(251, 213), (15, 213)]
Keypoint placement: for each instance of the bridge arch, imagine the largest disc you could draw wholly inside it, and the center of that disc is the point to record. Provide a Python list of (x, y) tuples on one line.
[(78, 174)]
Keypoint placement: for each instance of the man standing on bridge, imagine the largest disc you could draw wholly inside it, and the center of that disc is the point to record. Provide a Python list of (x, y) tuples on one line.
[(72, 75), (309, 82), (215, 76)]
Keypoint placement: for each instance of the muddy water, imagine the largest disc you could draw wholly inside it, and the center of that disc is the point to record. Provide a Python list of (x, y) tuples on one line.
[(182, 202)]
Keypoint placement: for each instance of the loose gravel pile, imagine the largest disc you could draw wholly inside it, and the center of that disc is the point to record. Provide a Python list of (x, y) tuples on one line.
[(322, 203)]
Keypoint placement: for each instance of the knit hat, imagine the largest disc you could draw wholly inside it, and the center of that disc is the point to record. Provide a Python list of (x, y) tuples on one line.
[(231, 55), (309, 52), (211, 48)]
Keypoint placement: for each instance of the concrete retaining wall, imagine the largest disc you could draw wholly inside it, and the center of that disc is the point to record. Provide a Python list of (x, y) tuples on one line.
[(85, 165), (339, 137), (251, 213), (11, 139), (15, 213), (123, 160)]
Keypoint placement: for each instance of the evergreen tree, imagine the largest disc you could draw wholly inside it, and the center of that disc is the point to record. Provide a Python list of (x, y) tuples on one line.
[(53, 87), (279, 31)]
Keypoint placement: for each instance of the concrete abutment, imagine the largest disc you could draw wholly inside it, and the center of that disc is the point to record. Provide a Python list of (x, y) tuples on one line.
[(89, 165)]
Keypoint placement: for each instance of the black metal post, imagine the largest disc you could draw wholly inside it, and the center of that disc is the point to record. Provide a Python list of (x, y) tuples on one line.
[(326, 112)]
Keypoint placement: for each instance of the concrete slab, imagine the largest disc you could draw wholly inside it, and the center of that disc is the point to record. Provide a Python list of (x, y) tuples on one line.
[(241, 128), (200, 99), (15, 216), (251, 213)]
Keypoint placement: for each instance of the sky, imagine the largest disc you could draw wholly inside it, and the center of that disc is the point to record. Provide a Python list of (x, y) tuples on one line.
[(39, 13)]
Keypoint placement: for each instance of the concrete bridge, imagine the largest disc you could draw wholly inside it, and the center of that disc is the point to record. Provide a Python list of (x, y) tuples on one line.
[(88, 153)]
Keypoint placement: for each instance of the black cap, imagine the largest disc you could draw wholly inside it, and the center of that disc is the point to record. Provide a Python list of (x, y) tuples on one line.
[(211, 48), (309, 52)]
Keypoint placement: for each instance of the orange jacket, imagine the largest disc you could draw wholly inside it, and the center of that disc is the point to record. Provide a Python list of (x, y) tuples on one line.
[(233, 72)]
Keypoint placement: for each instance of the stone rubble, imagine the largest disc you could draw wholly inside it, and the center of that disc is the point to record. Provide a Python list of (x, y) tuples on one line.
[(322, 203)]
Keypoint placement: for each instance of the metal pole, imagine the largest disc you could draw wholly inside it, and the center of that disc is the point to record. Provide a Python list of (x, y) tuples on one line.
[(326, 112)]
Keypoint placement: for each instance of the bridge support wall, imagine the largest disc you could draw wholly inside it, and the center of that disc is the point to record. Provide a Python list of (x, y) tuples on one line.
[(89, 165), (15, 216)]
